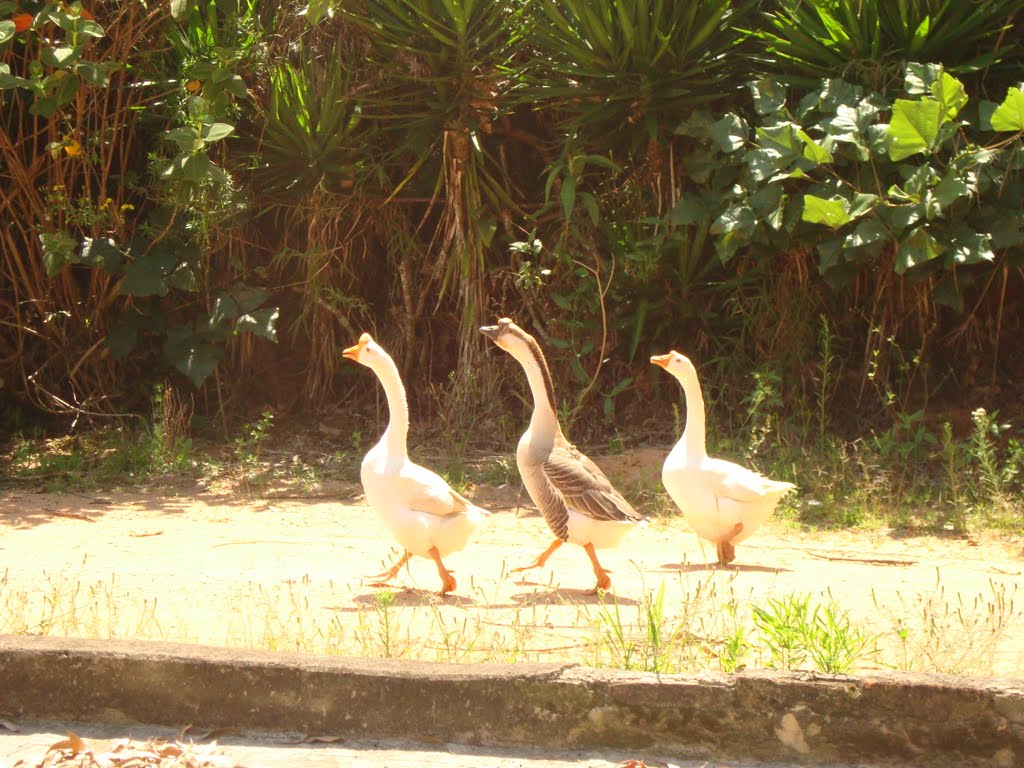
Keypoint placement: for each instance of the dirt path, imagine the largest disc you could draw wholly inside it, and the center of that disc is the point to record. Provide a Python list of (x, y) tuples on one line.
[(288, 573)]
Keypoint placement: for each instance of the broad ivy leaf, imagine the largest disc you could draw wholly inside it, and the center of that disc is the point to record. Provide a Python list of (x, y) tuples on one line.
[(198, 362), (916, 249), (122, 340), (101, 252), (836, 92), (813, 151), (829, 253), (947, 292), (777, 218), (183, 278), (7, 80), (1007, 230), (248, 297), (730, 133), (58, 250), (196, 167), (262, 322), (185, 137), (845, 126), (868, 232), (697, 124), (950, 188), (217, 131), (61, 56), (782, 137), (1009, 116), (763, 162), (914, 127), (734, 228), (833, 212), (769, 96), (144, 277), (920, 180), (689, 210), (899, 217), (737, 219), (971, 248), (225, 309), (89, 28), (918, 78), (97, 72), (950, 93)]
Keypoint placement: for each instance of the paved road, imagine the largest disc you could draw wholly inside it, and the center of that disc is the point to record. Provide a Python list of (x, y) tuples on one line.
[(30, 743)]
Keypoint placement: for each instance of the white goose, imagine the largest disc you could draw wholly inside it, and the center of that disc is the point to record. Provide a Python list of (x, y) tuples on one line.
[(424, 514), (723, 502), (577, 500)]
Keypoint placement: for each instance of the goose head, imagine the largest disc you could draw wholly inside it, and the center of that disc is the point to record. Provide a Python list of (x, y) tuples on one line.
[(366, 351), (513, 340), (676, 364)]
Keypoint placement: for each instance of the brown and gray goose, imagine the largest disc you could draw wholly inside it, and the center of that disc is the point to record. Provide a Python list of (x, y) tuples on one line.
[(577, 500)]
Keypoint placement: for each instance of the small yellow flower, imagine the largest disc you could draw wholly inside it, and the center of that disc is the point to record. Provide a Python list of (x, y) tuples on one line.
[(127, 207), (73, 148), (193, 85)]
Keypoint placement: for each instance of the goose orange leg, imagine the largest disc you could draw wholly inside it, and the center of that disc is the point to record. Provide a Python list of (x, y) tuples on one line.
[(539, 562), (604, 582), (447, 580), (380, 579), (726, 550)]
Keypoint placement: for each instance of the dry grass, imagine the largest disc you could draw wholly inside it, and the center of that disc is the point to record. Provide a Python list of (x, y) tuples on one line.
[(711, 628)]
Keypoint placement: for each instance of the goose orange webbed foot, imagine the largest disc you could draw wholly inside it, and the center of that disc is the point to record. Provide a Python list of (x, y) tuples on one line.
[(726, 550), (447, 580), (541, 559), (604, 583)]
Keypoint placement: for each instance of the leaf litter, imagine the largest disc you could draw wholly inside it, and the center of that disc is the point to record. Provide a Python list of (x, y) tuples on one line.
[(76, 752)]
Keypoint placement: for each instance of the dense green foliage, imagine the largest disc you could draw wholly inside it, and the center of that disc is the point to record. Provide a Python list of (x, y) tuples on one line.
[(824, 193)]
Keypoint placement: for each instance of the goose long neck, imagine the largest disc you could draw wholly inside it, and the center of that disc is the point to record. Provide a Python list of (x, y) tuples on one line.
[(544, 421), (694, 436), (396, 434)]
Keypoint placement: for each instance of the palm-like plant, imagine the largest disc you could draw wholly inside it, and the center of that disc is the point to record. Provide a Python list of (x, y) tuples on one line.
[(445, 76), (311, 134), (869, 41), (635, 68)]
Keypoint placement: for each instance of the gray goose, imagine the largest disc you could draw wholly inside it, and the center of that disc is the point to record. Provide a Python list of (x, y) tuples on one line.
[(577, 500)]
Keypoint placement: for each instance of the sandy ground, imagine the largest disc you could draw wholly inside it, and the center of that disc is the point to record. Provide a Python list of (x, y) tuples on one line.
[(289, 573), (31, 742)]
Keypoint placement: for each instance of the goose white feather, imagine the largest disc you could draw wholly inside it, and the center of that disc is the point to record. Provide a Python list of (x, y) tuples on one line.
[(426, 516), (723, 502), (578, 502)]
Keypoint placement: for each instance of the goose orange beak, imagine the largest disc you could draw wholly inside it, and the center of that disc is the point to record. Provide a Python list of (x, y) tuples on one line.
[(352, 353), (661, 360)]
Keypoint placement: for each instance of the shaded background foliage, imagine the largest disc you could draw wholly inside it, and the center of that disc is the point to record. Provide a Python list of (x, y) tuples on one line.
[(184, 183)]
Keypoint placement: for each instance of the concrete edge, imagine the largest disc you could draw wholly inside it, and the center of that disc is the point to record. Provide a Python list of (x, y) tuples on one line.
[(915, 719)]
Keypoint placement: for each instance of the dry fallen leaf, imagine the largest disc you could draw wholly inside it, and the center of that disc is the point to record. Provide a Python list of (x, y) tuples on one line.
[(9, 726), (314, 739), (73, 742), (216, 733)]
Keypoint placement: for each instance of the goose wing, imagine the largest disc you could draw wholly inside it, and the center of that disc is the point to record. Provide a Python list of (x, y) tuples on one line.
[(584, 487), (426, 491), (741, 484)]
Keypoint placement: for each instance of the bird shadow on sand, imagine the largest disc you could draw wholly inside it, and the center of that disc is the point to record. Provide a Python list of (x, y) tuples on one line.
[(406, 597), (733, 567), (566, 595)]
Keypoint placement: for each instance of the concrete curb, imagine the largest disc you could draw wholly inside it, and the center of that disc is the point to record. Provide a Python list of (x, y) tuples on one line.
[(927, 720)]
